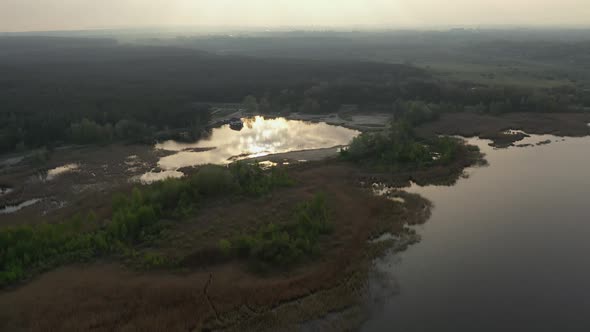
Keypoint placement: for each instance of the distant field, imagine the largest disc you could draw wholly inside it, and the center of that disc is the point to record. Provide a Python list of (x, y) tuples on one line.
[(492, 74)]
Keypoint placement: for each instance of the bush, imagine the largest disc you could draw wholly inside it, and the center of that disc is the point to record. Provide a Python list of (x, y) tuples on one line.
[(225, 247), (399, 148), (253, 180), (213, 180), (25, 247), (286, 244), (153, 261)]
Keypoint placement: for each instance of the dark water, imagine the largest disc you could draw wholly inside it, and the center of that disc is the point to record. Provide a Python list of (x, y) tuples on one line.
[(505, 250)]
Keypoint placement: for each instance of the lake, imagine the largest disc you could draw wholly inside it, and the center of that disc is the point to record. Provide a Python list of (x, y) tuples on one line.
[(504, 250), (259, 137)]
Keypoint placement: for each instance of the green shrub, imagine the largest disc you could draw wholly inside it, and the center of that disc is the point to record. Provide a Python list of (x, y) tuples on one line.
[(26, 247), (153, 261), (253, 180), (399, 148), (213, 180), (225, 246), (286, 244)]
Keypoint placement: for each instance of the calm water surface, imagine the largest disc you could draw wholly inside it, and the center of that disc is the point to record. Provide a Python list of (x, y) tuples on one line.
[(505, 250), (259, 137)]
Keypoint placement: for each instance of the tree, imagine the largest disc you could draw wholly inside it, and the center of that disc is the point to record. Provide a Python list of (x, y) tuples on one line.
[(265, 106), (311, 106), (250, 104)]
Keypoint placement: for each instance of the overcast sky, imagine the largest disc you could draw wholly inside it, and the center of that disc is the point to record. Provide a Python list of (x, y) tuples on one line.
[(26, 15)]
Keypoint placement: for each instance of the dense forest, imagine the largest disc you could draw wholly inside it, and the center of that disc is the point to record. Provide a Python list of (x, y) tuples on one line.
[(50, 89), (56, 90)]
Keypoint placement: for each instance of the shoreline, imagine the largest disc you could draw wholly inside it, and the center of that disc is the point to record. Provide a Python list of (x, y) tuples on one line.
[(226, 295)]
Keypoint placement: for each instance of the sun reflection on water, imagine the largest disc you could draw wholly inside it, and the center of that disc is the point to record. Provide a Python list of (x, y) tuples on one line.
[(259, 137)]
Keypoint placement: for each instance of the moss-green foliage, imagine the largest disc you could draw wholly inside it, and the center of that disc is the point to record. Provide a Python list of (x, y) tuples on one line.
[(152, 260), (25, 247), (416, 112), (225, 246), (135, 219), (214, 180), (252, 180), (398, 148), (285, 244)]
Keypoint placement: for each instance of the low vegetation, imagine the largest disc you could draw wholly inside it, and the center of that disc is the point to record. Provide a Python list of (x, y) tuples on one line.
[(136, 218), (285, 244), (399, 148)]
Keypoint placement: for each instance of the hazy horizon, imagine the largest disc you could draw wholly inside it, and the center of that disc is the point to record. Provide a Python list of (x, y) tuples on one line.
[(54, 15)]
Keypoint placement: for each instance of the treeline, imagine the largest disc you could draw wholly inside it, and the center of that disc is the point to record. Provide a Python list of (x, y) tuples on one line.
[(330, 97), (47, 127), (47, 96), (45, 90), (135, 219)]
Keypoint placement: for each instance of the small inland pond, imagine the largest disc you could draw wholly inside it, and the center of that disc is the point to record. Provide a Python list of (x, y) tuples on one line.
[(504, 250), (259, 137)]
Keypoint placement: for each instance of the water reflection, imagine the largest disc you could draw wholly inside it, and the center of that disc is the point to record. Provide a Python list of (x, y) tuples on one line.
[(259, 137), (151, 177), (55, 172), (14, 208), (5, 191), (502, 248)]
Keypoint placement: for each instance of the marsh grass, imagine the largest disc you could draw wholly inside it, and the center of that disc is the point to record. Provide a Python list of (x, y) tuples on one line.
[(136, 219)]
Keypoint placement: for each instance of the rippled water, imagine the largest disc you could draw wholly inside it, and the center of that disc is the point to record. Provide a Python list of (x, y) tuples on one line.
[(504, 250), (259, 137)]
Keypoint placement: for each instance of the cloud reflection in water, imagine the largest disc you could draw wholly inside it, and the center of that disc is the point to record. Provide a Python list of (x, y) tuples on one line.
[(259, 137)]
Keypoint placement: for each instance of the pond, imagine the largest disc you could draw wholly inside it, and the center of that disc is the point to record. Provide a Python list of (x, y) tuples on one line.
[(504, 249), (17, 207), (5, 191), (61, 170), (259, 137)]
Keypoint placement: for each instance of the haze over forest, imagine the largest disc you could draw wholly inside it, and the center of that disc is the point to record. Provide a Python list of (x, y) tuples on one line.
[(43, 15), (300, 165)]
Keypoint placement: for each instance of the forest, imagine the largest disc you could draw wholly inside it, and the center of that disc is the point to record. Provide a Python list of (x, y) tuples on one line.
[(82, 91)]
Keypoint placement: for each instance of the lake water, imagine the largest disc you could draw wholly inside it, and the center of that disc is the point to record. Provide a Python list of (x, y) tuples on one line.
[(14, 208), (5, 191), (58, 171), (259, 137), (505, 249)]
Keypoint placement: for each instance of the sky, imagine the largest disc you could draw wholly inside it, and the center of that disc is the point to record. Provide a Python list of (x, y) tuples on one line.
[(41, 15)]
